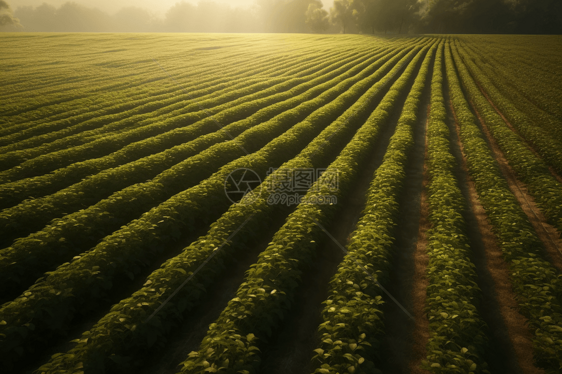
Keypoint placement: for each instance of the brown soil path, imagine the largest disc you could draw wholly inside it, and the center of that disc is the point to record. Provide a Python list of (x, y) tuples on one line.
[(406, 281), (510, 341), (420, 334), (547, 233)]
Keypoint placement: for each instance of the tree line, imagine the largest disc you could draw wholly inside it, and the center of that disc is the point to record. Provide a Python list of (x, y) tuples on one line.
[(301, 16), (440, 16)]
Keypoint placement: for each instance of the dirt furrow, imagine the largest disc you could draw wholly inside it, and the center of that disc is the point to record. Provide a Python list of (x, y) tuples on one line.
[(510, 340), (547, 233), (420, 333), (407, 282)]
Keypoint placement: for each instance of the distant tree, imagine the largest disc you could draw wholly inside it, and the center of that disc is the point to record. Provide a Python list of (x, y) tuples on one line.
[(134, 19), (538, 16), (316, 17), (443, 16), (284, 15), (6, 16), (468, 16), (403, 12), (367, 13), (384, 15), (181, 17), (342, 14)]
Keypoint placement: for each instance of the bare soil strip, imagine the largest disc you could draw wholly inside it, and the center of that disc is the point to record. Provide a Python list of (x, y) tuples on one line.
[(510, 341), (529, 145), (407, 281), (420, 334), (547, 233)]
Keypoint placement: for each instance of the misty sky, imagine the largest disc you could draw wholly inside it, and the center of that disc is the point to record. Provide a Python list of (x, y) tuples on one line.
[(157, 6)]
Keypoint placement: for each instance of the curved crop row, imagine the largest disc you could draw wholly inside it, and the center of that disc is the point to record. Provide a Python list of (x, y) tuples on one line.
[(535, 281), (50, 156), (21, 262), (153, 104), (352, 319), (73, 198), (266, 295), (52, 302), (13, 193), (146, 71), (64, 106), (129, 105), (110, 339), (59, 101), (177, 106)]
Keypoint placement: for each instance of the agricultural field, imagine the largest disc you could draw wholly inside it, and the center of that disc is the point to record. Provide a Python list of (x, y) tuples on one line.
[(280, 203)]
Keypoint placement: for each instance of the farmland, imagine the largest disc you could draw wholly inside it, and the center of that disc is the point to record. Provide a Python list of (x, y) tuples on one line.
[(280, 203)]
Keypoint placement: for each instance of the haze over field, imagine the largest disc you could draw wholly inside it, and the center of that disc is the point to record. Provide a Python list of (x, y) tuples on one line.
[(158, 7), (279, 202), (285, 16)]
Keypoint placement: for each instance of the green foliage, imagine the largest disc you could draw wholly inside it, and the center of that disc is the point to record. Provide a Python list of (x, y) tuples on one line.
[(133, 246), (535, 281), (302, 105), (353, 321), (266, 295), (457, 340), (532, 170)]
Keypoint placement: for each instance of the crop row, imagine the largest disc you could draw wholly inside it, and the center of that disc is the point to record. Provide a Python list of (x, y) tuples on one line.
[(265, 297), (161, 103), (535, 281), (541, 140), (352, 326), (525, 68), (145, 71), (250, 219), (162, 157), (52, 302), (67, 90), (119, 110), (535, 98), (94, 143), (526, 51), (103, 184), (457, 340), (27, 256), (546, 130), (544, 188)]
